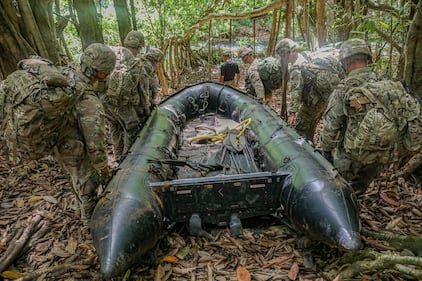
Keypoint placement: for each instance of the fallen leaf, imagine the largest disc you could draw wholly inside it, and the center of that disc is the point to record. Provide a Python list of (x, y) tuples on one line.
[(389, 200), (170, 259), (20, 202), (34, 198), (242, 274), (11, 275), (293, 272)]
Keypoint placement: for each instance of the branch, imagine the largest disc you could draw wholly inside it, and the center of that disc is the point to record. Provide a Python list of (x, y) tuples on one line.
[(252, 14), (23, 240), (384, 8)]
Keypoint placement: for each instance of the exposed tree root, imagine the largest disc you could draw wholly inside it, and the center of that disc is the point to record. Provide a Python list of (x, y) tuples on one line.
[(368, 260), (24, 240), (410, 242)]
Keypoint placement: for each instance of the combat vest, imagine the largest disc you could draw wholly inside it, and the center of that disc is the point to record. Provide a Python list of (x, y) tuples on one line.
[(38, 104), (378, 114)]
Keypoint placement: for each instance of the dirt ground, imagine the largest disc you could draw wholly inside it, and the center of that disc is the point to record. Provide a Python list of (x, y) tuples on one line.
[(40, 222)]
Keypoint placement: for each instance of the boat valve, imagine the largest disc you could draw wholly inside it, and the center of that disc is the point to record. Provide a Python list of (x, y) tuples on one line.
[(235, 225), (195, 225)]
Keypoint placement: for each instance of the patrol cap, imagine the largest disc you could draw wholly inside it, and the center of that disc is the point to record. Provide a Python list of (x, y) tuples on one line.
[(244, 51), (226, 54), (134, 39), (285, 46), (99, 57), (353, 47)]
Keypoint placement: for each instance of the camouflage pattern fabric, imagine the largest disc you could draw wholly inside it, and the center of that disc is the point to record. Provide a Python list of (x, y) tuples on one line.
[(253, 82), (123, 96), (312, 80), (81, 150), (270, 73), (38, 103), (352, 126), (153, 80)]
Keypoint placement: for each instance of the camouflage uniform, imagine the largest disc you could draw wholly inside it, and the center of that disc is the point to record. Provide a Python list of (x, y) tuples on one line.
[(135, 42), (308, 96), (253, 82), (122, 100), (152, 57), (309, 100), (82, 150), (336, 125)]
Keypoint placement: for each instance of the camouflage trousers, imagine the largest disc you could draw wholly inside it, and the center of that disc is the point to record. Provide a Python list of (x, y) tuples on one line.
[(308, 117), (357, 174), (121, 140), (83, 177)]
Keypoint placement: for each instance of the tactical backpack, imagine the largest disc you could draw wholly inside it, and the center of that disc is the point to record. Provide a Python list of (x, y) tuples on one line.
[(385, 109), (122, 96), (321, 72), (123, 81), (269, 70), (38, 102)]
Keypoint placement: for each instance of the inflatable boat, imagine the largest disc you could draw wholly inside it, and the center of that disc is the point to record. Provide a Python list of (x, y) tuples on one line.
[(212, 154)]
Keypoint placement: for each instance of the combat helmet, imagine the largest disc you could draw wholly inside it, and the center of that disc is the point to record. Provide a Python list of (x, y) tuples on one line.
[(154, 55), (353, 47), (97, 57), (244, 51), (285, 46), (134, 39)]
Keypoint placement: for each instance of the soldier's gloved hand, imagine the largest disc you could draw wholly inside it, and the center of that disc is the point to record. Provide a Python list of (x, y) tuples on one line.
[(105, 174), (327, 155)]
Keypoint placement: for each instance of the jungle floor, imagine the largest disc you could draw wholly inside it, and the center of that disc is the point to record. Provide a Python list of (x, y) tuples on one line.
[(42, 237)]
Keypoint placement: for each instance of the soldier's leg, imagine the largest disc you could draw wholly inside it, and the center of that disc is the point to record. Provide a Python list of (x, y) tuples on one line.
[(116, 134), (83, 177)]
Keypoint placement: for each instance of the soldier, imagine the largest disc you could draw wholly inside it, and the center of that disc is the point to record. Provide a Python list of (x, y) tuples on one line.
[(135, 42), (253, 83), (121, 101), (229, 71), (339, 128), (312, 78), (63, 117), (154, 57), (82, 151)]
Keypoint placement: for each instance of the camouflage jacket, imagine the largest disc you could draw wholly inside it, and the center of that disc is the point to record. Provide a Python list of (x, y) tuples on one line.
[(296, 83), (153, 81), (335, 121), (253, 82), (89, 118)]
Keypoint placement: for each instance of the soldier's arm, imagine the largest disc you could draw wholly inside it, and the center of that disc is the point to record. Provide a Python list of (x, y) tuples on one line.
[(90, 113), (257, 84), (333, 121), (296, 89)]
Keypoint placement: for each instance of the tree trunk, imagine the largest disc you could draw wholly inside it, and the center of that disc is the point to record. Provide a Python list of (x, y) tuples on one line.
[(123, 18), (89, 24), (14, 46), (320, 23), (413, 50), (43, 14)]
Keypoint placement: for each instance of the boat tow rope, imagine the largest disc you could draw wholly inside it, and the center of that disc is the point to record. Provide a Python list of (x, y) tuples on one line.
[(218, 138)]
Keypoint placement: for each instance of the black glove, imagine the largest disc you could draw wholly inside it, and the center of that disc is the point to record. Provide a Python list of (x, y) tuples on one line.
[(327, 155)]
